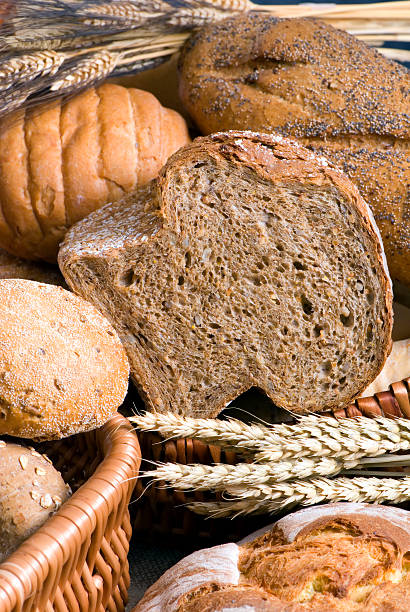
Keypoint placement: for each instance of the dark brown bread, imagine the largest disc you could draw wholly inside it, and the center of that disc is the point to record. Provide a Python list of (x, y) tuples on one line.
[(249, 262), (305, 79), (331, 558)]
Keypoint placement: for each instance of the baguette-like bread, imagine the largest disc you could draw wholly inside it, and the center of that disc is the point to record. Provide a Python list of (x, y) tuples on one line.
[(249, 262), (305, 79), (63, 369), (59, 164), (342, 557)]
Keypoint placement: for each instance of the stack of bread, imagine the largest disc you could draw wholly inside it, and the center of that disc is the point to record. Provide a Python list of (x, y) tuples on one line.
[(251, 259)]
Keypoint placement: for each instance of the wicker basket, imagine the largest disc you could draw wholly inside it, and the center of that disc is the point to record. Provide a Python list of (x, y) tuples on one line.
[(78, 559), (161, 512)]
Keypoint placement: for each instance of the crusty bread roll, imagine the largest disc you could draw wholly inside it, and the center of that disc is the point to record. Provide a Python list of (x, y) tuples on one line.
[(305, 79), (63, 369), (59, 164), (250, 262), (31, 489), (15, 267), (342, 557)]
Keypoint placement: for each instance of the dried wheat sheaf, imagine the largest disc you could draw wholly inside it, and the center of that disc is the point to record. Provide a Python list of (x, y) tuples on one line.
[(50, 48)]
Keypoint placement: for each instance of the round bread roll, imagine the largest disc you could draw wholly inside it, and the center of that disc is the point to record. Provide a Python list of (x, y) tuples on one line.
[(303, 78), (63, 369), (31, 490), (337, 557), (61, 162)]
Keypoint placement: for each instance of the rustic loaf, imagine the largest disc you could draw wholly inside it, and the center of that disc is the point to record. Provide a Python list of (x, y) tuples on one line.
[(342, 557), (305, 79), (59, 164), (63, 369), (31, 489), (250, 262)]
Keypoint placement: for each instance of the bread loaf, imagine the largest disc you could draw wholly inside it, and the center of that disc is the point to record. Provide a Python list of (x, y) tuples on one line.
[(15, 267), (63, 369), (61, 163), (337, 557), (305, 79), (31, 489), (397, 367), (250, 262)]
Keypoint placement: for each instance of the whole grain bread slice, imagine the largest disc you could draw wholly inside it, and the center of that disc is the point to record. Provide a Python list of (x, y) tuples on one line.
[(250, 262)]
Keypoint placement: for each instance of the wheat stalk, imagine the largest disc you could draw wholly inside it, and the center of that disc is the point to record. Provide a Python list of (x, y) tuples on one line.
[(311, 435), (221, 476), (87, 71), (30, 66), (271, 499)]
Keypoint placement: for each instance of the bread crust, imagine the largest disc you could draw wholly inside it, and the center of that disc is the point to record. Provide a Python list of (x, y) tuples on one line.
[(97, 249), (305, 79), (61, 162), (31, 489), (63, 367), (288, 549)]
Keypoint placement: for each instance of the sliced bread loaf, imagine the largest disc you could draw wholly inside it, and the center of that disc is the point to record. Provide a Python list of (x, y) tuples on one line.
[(249, 262)]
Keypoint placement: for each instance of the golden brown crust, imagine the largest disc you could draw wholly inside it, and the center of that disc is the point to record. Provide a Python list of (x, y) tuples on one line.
[(305, 79), (31, 490), (63, 369), (61, 163), (336, 557)]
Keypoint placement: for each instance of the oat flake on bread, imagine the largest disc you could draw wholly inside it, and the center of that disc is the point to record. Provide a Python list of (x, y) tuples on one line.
[(249, 262)]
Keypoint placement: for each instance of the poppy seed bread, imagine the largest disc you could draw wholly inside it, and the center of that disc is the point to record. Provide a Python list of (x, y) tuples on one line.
[(250, 262), (304, 79), (343, 557)]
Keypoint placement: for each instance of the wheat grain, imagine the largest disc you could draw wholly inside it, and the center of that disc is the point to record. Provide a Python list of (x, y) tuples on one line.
[(29, 67), (232, 5), (311, 435), (221, 476), (195, 17), (264, 499), (87, 71)]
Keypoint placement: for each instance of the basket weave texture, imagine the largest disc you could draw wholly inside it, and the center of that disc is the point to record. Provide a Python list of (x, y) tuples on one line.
[(161, 512), (78, 559)]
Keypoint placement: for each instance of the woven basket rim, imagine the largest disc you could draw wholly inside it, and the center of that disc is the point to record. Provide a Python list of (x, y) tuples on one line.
[(61, 535)]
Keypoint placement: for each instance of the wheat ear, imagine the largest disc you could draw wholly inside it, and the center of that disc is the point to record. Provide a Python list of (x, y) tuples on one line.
[(87, 71), (311, 435), (271, 499), (221, 476), (29, 67)]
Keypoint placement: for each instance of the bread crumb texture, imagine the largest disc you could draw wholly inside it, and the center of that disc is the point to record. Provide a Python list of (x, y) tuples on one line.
[(305, 79), (31, 490), (345, 560), (63, 369), (250, 262)]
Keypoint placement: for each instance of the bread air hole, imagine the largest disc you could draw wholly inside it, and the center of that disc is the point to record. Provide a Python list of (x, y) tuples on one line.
[(127, 278), (306, 305)]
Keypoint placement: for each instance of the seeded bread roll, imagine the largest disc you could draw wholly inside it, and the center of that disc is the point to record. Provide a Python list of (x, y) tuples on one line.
[(59, 164), (31, 489), (337, 557), (250, 262), (305, 79), (15, 267), (63, 369)]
